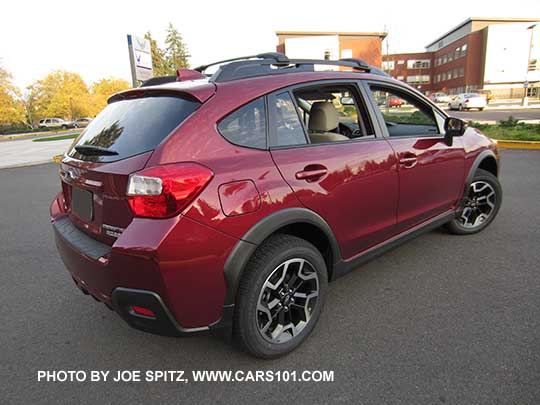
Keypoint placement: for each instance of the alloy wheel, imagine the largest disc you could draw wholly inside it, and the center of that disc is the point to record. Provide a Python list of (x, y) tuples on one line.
[(287, 300), (479, 205)]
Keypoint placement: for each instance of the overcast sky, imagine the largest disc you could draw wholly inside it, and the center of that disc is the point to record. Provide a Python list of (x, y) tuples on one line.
[(90, 37)]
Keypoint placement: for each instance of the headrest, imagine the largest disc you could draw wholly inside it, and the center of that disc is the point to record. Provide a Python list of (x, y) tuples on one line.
[(323, 117)]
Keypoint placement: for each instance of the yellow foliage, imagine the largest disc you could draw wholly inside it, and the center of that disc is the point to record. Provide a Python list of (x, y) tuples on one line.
[(103, 89), (65, 95), (60, 94), (11, 105)]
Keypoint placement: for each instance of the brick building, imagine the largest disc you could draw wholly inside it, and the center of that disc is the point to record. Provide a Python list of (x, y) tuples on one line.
[(332, 45), (492, 54)]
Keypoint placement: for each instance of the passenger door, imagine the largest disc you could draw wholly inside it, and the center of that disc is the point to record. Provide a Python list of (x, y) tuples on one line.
[(431, 173), (350, 181)]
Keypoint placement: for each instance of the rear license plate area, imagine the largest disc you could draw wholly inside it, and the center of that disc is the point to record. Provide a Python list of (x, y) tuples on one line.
[(82, 203)]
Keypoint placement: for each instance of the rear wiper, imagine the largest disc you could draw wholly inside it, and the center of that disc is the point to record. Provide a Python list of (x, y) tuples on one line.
[(91, 150)]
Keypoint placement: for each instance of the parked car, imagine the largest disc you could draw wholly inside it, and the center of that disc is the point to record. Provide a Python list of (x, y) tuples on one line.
[(467, 101), (395, 102), (56, 123), (227, 203), (440, 97), (83, 122)]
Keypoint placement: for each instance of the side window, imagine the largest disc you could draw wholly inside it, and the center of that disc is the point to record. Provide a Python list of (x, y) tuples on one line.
[(289, 130), (404, 114), (333, 113), (246, 126)]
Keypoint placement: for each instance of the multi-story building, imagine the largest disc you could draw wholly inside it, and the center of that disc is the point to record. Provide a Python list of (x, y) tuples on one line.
[(332, 45), (498, 56)]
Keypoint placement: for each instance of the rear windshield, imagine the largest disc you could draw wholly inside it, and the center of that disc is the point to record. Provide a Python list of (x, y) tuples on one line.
[(130, 127)]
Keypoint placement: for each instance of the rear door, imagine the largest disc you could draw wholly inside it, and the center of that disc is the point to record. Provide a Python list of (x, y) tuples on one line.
[(351, 180), (118, 142), (431, 172)]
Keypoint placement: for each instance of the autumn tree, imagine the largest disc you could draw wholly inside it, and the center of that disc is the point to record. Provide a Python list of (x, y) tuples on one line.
[(159, 60), (176, 51), (60, 94), (102, 90), (11, 106)]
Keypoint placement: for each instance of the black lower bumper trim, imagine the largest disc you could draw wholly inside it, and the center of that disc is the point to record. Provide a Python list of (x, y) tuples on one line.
[(162, 324)]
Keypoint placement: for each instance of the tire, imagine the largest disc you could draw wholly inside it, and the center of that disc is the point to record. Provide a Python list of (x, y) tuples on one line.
[(64, 127), (460, 107), (280, 258), (481, 109), (466, 223)]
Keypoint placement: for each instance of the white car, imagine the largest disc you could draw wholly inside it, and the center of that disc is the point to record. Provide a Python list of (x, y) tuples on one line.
[(441, 97), (56, 123), (466, 101)]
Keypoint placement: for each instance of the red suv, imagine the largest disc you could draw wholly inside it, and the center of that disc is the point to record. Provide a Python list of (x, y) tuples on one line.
[(227, 202)]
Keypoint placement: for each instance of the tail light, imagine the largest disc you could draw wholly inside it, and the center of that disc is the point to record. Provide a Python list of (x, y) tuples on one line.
[(165, 191)]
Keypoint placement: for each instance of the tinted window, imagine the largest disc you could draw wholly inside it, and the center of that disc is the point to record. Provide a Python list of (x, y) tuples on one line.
[(408, 117), (246, 126), (131, 127), (289, 130)]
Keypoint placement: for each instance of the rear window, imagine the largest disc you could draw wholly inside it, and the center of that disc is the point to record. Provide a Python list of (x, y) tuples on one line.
[(130, 127)]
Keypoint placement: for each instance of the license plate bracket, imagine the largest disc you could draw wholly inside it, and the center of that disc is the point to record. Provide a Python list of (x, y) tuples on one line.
[(82, 203)]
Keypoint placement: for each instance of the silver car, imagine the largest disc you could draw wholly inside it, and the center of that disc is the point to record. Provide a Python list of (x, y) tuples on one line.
[(466, 101)]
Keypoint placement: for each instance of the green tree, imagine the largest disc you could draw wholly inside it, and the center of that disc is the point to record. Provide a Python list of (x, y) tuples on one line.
[(159, 61), (176, 51), (11, 105)]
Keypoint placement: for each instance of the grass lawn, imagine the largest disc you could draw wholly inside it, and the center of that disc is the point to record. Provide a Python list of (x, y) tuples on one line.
[(518, 132), (55, 138)]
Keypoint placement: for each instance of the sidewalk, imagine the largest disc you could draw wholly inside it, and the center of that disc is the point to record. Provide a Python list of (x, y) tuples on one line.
[(27, 153)]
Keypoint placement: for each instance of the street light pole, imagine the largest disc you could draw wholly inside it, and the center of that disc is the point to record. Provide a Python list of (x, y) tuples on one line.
[(525, 101)]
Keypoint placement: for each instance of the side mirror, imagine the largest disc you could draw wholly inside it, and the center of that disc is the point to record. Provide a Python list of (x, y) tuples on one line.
[(453, 127), (346, 101)]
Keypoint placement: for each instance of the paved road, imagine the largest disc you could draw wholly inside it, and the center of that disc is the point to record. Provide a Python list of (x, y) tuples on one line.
[(497, 115), (443, 319), (26, 152)]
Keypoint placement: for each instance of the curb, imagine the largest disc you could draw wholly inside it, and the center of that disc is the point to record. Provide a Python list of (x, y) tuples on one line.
[(531, 145), (16, 137), (27, 164)]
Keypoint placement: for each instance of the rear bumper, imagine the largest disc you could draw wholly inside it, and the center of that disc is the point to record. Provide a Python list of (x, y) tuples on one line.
[(173, 266)]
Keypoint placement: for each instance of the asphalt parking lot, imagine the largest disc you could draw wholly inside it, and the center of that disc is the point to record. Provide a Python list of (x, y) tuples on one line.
[(442, 319)]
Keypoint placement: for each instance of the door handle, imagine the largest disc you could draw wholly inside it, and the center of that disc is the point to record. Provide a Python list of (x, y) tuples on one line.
[(312, 173), (408, 160)]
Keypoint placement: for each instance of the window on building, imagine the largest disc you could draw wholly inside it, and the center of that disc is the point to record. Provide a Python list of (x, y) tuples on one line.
[(418, 79), (461, 72), (450, 57), (464, 50), (445, 59), (443, 76), (400, 78), (418, 63), (457, 53), (400, 62), (388, 65)]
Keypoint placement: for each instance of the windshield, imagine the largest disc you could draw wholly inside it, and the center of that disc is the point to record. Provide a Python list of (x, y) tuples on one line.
[(130, 127)]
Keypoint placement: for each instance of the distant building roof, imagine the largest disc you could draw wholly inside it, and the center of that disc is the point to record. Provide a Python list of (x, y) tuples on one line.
[(482, 19), (381, 35)]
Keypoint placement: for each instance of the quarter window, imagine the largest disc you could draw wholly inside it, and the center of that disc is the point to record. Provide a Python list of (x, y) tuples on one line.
[(246, 126)]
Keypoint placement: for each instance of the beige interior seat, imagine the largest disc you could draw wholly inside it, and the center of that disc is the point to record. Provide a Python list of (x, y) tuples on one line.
[(323, 118)]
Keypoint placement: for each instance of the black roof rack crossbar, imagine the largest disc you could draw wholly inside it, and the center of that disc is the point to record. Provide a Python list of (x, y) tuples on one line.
[(276, 56), (273, 63)]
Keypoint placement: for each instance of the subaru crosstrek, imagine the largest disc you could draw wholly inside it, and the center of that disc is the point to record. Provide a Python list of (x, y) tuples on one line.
[(227, 202)]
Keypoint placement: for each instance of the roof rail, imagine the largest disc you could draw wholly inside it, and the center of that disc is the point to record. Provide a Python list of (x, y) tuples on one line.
[(272, 63)]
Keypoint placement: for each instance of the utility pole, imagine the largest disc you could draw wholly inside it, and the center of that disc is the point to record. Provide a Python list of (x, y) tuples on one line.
[(525, 101)]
